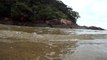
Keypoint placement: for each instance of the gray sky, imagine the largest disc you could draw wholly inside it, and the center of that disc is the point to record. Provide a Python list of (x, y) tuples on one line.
[(92, 12)]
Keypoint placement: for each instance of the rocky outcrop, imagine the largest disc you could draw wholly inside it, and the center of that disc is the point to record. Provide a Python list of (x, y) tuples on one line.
[(63, 22), (60, 23), (90, 27), (23, 21), (95, 28)]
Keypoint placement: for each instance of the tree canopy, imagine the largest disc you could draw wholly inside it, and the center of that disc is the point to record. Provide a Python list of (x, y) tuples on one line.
[(37, 9)]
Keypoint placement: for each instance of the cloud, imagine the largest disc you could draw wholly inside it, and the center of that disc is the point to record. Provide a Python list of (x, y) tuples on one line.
[(92, 12)]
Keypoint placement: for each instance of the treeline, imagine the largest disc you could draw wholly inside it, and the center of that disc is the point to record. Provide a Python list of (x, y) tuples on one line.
[(37, 10)]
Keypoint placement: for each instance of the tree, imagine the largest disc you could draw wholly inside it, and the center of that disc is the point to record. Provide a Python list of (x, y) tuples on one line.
[(38, 9)]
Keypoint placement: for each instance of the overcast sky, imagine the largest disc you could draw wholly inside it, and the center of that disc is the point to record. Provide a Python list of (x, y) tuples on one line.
[(92, 12)]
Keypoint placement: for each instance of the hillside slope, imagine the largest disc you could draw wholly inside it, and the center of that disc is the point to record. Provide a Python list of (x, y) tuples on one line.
[(22, 12)]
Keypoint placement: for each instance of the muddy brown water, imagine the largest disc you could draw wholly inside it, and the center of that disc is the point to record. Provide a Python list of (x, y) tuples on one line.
[(44, 43)]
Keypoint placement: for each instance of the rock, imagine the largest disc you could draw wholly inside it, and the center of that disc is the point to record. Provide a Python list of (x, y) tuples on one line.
[(63, 22), (90, 27), (95, 28)]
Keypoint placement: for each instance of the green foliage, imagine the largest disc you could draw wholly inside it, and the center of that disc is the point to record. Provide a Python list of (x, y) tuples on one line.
[(20, 8), (38, 9)]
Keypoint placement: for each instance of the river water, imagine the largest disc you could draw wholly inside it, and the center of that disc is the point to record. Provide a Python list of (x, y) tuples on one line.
[(44, 43)]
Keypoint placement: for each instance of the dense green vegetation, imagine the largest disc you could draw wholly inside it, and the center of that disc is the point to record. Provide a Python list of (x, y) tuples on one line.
[(37, 10)]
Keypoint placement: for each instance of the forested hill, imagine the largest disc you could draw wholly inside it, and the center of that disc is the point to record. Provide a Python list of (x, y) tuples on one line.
[(36, 10)]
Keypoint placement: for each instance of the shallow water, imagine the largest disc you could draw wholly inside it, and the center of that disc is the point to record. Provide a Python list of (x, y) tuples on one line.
[(89, 50), (44, 43)]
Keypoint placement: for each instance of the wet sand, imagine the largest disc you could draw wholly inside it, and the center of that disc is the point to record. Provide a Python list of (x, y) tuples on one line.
[(28, 43), (34, 50)]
